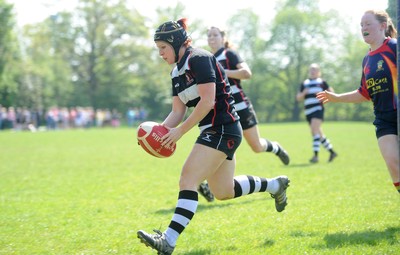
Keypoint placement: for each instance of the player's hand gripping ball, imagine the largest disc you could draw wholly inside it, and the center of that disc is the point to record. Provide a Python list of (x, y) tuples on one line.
[(149, 135)]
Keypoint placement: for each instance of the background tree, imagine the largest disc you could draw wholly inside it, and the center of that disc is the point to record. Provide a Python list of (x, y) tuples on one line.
[(9, 56), (300, 34), (109, 41), (102, 55), (392, 11), (47, 72)]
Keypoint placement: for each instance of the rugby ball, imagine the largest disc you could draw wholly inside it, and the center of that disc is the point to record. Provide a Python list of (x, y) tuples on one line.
[(149, 135)]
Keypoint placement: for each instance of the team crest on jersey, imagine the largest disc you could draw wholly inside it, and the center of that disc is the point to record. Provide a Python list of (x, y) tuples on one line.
[(189, 78), (380, 66)]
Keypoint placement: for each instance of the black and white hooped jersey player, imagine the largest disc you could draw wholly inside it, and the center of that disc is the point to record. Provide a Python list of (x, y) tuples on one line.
[(199, 66), (311, 103), (229, 59)]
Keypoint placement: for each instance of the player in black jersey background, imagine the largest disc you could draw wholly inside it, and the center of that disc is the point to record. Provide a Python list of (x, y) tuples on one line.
[(237, 69)]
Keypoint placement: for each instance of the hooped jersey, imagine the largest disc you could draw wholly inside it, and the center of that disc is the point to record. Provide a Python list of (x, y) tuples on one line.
[(229, 60), (197, 67), (311, 103), (379, 77)]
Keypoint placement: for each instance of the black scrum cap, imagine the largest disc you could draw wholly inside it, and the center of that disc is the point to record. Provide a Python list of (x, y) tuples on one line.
[(173, 33)]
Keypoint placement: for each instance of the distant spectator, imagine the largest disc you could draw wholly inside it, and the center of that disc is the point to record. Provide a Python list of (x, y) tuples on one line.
[(142, 114), (11, 117), (115, 118), (100, 115), (107, 117), (50, 120), (130, 116)]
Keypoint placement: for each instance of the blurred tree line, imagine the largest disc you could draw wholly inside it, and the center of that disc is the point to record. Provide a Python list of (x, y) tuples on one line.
[(102, 55)]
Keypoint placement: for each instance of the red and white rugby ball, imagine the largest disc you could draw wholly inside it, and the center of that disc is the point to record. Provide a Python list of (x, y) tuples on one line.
[(149, 135)]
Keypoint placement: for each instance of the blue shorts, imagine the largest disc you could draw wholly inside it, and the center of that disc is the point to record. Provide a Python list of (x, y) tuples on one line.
[(385, 123), (225, 138)]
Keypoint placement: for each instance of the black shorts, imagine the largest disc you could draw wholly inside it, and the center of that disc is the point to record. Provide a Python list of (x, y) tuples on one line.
[(248, 117), (315, 115), (385, 123), (225, 138)]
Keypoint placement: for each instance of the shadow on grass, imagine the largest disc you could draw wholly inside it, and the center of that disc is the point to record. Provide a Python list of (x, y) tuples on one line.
[(198, 252), (371, 238), (268, 243), (229, 248), (303, 234), (301, 165), (208, 206)]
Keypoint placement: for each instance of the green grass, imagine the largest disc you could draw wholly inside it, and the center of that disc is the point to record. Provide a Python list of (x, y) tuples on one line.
[(89, 191)]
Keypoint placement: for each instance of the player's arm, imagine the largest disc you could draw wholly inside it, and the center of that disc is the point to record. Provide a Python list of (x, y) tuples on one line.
[(301, 95), (177, 113), (241, 73), (207, 100), (349, 97)]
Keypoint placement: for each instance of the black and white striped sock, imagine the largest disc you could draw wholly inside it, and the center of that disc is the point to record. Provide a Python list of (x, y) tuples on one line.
[(184, 212), (326, 143), (247, 184), (272, 147), (316, 143)]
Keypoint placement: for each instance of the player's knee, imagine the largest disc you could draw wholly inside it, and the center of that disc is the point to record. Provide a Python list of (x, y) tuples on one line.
[(223, 196)]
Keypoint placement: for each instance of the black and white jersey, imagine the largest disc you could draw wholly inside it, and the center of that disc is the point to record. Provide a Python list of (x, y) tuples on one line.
[(197, 67), (311, 103), (229, 59)]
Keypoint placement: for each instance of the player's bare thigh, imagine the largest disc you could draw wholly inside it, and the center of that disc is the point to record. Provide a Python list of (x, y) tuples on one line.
[(389, 147), (315, 126), (201, 163)]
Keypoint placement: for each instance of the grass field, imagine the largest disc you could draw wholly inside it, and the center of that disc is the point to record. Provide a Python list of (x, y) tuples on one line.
[(90, 191)]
